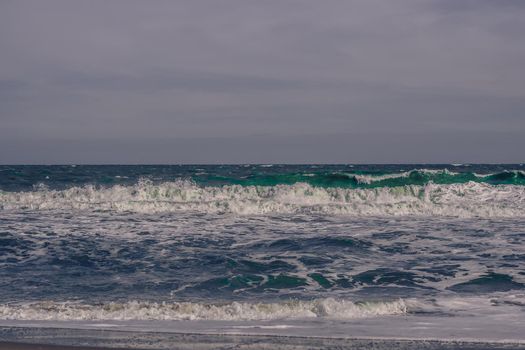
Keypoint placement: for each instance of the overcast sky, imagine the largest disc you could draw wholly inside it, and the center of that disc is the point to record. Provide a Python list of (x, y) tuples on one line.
[(263, 81)]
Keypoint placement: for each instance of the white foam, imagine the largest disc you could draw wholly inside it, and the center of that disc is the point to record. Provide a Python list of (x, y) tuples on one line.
[(470, 199), (135, 310)]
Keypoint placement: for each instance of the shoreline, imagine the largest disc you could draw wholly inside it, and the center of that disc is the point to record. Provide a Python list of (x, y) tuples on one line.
[(34, 338), (30, 346), (274, 343)]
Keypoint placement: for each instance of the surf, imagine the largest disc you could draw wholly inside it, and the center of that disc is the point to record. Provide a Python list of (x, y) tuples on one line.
[(232, 311), (470, 199)]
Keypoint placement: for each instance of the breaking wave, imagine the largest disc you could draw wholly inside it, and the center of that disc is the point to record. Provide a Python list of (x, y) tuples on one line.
[(136, 310), (367, 179), (444, 176), (471, 199)]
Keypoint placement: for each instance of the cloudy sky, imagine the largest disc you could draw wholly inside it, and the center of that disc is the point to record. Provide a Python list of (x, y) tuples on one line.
[(237, 81)]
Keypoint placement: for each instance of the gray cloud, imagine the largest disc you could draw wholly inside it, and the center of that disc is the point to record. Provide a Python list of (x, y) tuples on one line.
[(130, 81)]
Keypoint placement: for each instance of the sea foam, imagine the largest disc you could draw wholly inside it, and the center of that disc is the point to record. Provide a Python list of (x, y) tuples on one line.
[(137, 310), (469, 199)]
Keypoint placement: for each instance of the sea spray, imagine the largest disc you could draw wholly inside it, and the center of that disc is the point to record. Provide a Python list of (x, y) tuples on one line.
[(471, 199)]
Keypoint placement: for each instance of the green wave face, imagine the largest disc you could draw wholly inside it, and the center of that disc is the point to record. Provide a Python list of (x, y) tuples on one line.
[(377, 179), (60, 177)]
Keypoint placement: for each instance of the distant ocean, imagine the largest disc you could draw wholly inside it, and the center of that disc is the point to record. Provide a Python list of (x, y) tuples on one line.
[(261, 242)]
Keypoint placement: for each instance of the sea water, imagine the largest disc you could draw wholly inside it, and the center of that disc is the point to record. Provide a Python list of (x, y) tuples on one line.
[(254, 243)]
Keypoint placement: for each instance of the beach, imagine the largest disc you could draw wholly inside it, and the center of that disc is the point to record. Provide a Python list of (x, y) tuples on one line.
[(38, 339), (277, 174), (499, 331)]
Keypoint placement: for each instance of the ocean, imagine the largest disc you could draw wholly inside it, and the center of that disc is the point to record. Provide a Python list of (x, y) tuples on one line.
[(275, 246)]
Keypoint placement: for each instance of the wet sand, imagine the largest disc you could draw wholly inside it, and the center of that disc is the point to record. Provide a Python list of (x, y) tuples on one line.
[(75, 339), (22, 346), (350, 345)]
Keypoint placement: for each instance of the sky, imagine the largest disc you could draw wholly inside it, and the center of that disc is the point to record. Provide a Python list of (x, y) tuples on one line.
[(262, 81)]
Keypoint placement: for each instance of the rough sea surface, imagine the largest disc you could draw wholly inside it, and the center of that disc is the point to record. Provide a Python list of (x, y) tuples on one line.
[(261, 242)]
